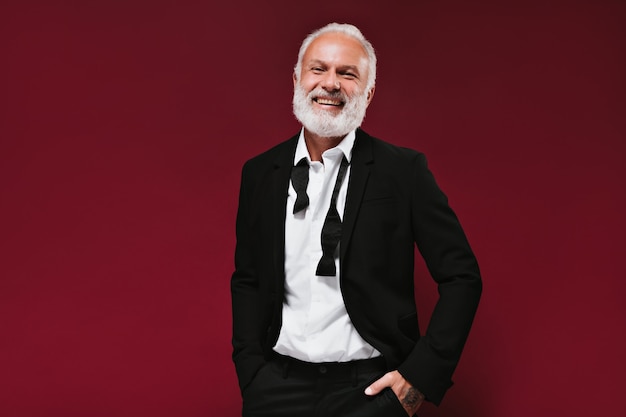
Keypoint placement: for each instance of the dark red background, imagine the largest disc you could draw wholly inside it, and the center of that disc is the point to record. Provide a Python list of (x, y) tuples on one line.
[(123, 128)]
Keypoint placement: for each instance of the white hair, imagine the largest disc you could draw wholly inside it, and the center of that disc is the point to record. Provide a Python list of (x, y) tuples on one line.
[(346, 29)]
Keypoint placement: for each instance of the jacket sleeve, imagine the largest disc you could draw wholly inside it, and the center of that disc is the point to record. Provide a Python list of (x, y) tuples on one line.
[(451, 263), (247, 349)]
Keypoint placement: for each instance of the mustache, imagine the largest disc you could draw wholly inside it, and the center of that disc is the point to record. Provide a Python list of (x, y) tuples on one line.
[(321, 93)]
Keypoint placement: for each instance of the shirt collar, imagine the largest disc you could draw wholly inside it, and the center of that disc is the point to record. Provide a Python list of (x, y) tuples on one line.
[(345, 146)]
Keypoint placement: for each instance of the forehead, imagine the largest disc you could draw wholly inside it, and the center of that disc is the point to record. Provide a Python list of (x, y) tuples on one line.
[(336, 49)]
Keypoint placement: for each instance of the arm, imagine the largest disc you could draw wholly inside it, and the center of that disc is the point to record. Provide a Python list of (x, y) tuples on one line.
[(247, 350), (451, 263)]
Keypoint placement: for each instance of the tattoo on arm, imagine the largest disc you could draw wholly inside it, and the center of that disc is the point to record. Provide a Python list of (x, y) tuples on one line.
[(412, 398)]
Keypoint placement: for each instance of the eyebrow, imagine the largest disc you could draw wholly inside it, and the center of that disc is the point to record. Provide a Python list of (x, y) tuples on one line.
[(352, 68)]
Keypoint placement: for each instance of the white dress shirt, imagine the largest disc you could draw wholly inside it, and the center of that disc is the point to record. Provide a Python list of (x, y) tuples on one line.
[(316, 326)]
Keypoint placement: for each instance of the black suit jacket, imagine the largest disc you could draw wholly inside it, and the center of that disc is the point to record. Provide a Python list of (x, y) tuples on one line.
[(392, 204)]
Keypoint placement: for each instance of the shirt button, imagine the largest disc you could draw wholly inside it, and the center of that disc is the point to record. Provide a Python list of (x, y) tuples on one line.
[(323, 369)]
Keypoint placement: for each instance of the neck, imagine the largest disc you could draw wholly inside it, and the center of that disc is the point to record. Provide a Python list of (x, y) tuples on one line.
[(316, 145)]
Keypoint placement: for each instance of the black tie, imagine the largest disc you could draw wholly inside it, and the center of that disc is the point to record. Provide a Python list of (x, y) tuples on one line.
[(331, 231), (300, 180)]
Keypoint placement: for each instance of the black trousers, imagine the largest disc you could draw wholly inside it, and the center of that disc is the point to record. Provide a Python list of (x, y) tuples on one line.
[(286, 387)]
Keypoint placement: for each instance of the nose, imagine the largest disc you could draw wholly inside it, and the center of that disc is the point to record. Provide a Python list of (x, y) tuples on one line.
[(331, 81)]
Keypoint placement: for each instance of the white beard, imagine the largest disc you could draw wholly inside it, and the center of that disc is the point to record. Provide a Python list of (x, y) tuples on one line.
[(324, 123)]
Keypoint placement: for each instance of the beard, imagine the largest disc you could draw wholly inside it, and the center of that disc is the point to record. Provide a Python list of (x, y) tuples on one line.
[(324, 123)]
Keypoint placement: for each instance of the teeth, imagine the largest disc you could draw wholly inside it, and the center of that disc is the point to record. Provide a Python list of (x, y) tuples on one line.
[(328, 101)]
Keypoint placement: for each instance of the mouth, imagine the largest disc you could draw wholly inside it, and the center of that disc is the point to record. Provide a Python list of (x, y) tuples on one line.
[(325, 101)]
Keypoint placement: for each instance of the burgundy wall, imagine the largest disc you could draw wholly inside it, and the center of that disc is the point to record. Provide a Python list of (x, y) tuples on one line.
[(123, 128)]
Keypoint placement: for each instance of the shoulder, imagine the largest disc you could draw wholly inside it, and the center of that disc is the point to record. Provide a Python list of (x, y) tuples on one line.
[(272, 157), (387, 153)]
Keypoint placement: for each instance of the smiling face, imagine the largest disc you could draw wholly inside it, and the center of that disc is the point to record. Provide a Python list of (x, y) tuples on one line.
[(329, 93)]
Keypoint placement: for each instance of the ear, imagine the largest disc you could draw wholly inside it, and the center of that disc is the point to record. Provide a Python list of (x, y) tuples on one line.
[(295, 79), (370, 95)]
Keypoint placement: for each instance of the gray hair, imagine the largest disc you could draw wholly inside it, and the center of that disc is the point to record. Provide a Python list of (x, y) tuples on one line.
[(346, 29)]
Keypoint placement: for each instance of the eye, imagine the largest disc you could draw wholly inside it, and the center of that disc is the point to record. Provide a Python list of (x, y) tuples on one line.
[(349, 75), (317, 70)]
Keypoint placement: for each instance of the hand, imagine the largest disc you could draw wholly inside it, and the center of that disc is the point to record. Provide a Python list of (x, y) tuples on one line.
[(410, 398)]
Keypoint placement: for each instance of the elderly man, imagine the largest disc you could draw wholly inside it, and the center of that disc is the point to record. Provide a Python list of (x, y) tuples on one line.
[(324, 314)]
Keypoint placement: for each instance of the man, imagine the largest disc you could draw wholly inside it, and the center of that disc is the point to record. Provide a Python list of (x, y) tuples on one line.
[(324, 315)]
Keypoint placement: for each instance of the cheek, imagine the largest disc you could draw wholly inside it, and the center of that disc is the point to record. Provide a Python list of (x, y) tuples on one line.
[(308, 82), (352, 88)]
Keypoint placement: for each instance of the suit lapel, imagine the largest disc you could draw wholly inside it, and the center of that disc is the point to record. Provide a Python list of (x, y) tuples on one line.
[(360, 165)]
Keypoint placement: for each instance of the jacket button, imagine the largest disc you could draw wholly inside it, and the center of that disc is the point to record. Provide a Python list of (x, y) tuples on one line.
[(323, 369)]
